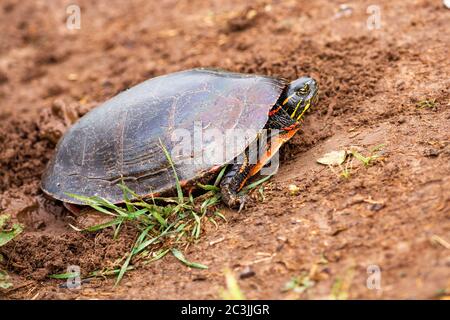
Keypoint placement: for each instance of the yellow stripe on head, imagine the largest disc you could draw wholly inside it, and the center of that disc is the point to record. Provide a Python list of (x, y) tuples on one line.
[(296, 108), (304, 110)]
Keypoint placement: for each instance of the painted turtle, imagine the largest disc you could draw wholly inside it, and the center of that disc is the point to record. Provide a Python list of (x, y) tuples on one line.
[(120, 140)]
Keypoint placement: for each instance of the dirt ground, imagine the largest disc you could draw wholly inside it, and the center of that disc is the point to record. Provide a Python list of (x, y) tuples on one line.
[(387, 85)]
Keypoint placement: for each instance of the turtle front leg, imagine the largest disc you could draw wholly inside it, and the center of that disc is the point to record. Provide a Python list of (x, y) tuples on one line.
[(233, 181), (236, 177)]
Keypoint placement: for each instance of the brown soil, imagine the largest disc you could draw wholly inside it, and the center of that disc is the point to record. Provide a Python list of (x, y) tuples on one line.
[(394, 214)]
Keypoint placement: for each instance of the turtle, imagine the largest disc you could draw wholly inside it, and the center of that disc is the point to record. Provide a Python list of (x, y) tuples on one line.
[(121, 140)]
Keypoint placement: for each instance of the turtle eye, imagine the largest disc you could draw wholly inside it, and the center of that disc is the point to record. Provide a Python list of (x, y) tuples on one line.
[(304, 90)]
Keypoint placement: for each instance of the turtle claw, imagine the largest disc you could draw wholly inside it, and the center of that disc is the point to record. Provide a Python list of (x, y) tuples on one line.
[(242, 201), (234, 201)]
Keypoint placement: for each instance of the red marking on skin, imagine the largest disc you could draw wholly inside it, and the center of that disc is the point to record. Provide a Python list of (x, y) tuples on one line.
[(191, 189), (215, 168), (244, 181), (150, 195), (272, 112), (184, 183), (291, 127)]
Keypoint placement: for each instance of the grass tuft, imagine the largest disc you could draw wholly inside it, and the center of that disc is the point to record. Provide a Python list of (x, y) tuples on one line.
[(426, 104), (7, 233), (165, 224), (298, 284)]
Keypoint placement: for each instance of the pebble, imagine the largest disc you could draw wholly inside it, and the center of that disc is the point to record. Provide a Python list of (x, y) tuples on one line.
[(447, 3), (293, 189), (246, 273), (376, 206), (431, 152)]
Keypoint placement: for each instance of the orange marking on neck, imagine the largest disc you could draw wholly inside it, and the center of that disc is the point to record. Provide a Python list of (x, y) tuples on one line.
[(287, 99), (276, 143), (291, 127), (272, 112), (244, 181)]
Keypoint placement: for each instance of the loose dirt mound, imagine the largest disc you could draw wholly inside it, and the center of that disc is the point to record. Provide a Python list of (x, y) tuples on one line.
[(387, 86)]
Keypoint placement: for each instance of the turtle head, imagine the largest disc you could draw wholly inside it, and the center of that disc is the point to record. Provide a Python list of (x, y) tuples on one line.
[(300, 95)]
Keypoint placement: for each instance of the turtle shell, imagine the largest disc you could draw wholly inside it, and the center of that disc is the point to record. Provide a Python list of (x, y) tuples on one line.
[(120, 140)]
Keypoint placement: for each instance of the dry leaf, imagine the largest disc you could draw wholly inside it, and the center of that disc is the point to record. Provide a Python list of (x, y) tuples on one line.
[(333, 158)]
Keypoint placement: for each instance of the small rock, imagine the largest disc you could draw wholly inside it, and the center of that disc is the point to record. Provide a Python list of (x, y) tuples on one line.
[(401, 120), (72, 77), (431, 152), (376, 206), (54, 90), (3, 77), (268, 8), (246, 273), (337, 230), (447, 3), (251, 14), (293, 189), (344, 10), (199, 277), (400, 85)]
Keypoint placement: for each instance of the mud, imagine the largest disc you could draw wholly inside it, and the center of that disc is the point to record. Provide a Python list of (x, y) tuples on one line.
[(373, 87)]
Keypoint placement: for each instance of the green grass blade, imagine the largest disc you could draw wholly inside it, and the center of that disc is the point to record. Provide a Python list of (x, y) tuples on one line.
[(136, 214), (104, 225), (158, 217), (3, 219), (142, 236), (378, 147), (86, 200), (360, 157), (8, 235), (220, 215), (67, 275), (116, 232), (209, 202), (145, 244), (159, 255), (232, 290), (211, 219), (169, 158), (197, 228), (208, 187), (104, 273), (112, 206), (196, 217), (220, 176), (93, 202), (126, 192), (177, 254), (255, 184), (124, 267), (5, 282)]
